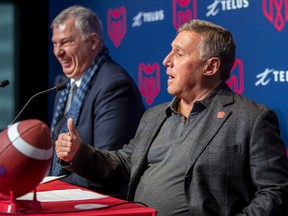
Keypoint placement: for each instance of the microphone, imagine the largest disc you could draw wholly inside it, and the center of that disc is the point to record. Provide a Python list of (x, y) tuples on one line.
[(4, 83), (57, 87)]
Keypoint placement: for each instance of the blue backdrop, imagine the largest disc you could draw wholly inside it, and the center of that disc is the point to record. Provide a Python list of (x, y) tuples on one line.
[(139, 33)]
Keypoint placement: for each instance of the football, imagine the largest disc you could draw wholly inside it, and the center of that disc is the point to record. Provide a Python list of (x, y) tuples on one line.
[(26, 152)]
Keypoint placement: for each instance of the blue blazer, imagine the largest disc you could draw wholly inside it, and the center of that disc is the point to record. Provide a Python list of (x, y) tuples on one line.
[(109, 118)]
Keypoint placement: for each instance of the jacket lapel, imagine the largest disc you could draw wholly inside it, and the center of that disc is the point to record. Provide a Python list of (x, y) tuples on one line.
[(217, 114), (150, 130)]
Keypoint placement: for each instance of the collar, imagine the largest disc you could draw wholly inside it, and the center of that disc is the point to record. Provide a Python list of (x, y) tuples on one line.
[(78, 82), (198, 105)]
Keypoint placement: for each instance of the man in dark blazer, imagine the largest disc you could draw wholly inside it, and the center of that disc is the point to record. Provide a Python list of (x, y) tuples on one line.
[(107, 105), (208, 152)]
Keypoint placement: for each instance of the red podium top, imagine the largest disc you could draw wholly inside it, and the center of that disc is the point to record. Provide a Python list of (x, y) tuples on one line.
[(103, 206)]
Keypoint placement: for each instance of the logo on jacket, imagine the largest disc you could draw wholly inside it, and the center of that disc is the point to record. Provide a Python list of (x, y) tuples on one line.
[(149, 81), (116, 25), (183, 10), (276, 11), (236, 80)]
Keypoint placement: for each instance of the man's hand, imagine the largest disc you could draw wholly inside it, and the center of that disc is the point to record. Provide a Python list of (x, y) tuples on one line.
[(68, 144)]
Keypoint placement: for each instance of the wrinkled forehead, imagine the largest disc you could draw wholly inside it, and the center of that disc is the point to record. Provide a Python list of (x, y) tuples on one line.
[(187, 39)]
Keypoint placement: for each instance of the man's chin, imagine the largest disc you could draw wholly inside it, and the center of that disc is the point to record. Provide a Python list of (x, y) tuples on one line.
[(170, 91)]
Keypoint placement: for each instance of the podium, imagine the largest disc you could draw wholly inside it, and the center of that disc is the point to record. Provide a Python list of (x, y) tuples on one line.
[(104, 205)]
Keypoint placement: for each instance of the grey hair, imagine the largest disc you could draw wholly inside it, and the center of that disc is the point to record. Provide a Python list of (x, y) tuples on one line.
[(86, 21), (216, 42)]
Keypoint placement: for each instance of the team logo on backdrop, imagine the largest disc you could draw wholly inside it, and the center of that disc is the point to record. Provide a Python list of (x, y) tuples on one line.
[(271, 75), (276, 11), (149, 81), (117, 22), (236, 80), (225, 5), (147, 17), (183, 10)]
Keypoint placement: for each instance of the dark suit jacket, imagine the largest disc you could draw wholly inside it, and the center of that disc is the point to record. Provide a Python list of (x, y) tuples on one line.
[(238, 167), (109, 117)]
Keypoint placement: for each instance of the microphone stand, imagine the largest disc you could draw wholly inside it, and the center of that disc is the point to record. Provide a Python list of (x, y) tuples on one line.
[(58, 87)]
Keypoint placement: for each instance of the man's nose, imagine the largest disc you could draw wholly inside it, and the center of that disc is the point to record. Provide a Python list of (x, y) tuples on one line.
[(167, 61), (60, 52)]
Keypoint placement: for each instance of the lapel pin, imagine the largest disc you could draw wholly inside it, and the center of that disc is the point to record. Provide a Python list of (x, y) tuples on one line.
[(220, 115)]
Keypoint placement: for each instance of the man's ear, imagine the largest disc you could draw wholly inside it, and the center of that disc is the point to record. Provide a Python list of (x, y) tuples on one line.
[(95, 41), (212, 65)]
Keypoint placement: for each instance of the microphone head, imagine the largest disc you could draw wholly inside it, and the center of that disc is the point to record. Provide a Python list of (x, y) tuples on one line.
[(60, 86), (4, 83)]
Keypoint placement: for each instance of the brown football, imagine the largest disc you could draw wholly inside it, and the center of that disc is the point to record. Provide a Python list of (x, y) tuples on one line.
[(25, 156)]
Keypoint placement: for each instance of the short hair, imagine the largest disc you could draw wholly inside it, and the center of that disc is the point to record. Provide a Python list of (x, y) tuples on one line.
[(216, 42), (86, 21)]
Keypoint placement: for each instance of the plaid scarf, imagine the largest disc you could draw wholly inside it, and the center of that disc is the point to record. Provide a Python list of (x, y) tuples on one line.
[(76, 104)]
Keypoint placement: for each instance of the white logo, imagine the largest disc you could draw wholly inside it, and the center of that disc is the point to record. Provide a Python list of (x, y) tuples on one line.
[(277, 75), (225, 5), (146, 17)]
